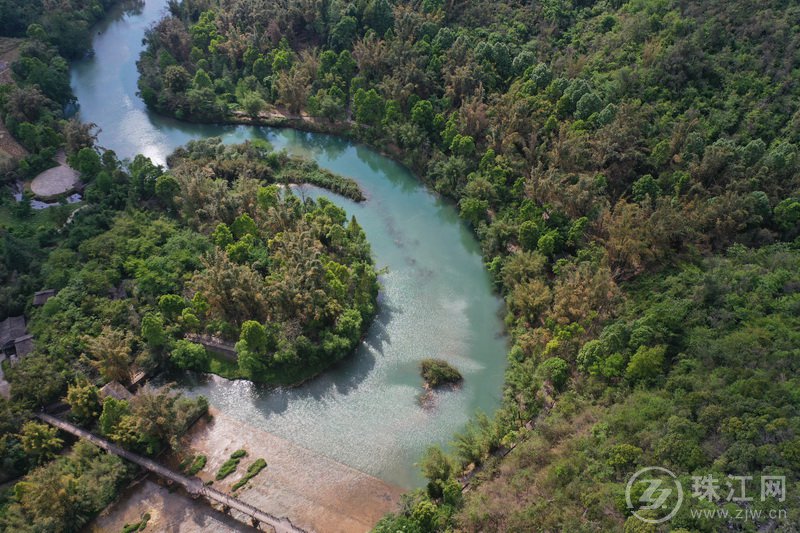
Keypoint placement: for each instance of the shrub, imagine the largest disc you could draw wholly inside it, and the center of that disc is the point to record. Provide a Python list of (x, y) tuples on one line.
[(197, 465), (436, 373), (230, 466), (252, 471), (137, 526)]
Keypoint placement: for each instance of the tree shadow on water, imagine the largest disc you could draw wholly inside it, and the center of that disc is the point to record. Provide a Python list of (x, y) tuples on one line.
[(342, 378)]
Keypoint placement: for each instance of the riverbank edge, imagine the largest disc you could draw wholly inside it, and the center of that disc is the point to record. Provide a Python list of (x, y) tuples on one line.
[(208, 434), (304, 377), (308, 123)]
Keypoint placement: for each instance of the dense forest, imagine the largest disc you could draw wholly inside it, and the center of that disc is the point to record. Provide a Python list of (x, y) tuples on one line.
[(34, 108), (147, 266), (152, 263), (290, 282), (631, 170)]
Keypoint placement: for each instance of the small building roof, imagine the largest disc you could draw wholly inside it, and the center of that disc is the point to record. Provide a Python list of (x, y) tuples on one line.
[(116, 390), (41, 297), (23, 345), (12, 328)]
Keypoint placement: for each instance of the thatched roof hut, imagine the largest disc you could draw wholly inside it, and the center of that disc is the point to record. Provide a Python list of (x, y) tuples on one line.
[(41, 297), (11, 329), (116, 390)]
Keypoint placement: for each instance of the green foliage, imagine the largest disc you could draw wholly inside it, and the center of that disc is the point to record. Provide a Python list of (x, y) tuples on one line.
[(153, 331), (368, 107), (65, 494), (40, 441), (595, 146), (189, 355), (113, 412), (36, 381), (438, 469), (437, 372), (422, 115), (141, 525), (230, 466), (252, 471), (152, 420), (196, 465), (687, 376), (646, 364), (84, 401), (253, 104), (87, 162), (555, 370)]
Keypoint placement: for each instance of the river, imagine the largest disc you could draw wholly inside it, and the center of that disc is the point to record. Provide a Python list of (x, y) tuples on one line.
[(436, 298)]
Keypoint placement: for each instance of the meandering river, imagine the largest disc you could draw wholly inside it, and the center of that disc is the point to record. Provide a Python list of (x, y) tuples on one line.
[(436, 298)]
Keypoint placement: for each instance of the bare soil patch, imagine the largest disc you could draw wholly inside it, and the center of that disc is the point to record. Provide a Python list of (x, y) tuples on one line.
[(316, 493), (169, 511)]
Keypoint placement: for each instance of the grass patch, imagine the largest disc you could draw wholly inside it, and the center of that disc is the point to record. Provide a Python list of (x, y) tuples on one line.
[(219, 365), (137, 526), (230, 466), (436, 373), (192, 466), (252, 471)]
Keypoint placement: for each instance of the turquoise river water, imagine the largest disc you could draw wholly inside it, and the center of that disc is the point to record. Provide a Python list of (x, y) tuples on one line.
[(436, 297)]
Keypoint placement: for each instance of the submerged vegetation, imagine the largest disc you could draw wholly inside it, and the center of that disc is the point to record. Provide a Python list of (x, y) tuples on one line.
[(141, 525), (194, 464)]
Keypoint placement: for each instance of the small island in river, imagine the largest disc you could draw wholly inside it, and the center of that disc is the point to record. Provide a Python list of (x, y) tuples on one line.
[(439, 373)]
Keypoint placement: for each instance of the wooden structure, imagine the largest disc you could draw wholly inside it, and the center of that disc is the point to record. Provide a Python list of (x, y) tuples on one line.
[(194, 486), (14, 339), (116, 390), (41, 297), (214, 344)]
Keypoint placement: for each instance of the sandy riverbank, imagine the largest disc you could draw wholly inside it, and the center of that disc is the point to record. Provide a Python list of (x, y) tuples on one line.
[(313, 491), (173, 512)]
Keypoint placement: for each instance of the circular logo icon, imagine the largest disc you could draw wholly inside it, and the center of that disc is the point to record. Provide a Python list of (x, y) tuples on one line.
[(660, 494)]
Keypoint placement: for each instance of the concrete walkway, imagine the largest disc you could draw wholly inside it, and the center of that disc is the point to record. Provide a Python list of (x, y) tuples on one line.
[(55, 181)]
